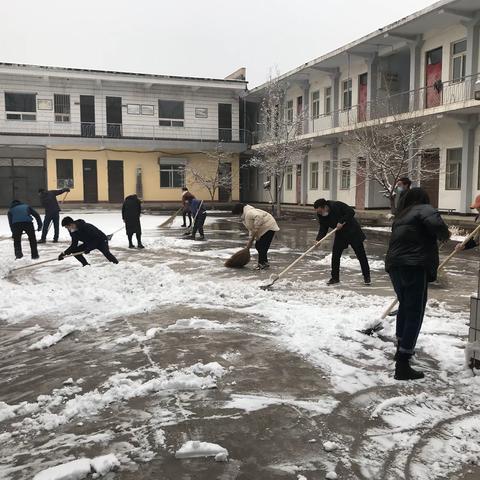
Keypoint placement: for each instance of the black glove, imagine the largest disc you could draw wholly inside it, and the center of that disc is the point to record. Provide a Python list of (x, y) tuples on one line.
[(61, 256), (67, 189)]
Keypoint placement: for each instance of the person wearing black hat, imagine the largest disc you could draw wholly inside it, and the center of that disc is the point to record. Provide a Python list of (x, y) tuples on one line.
[(48, 199), (91, 237)]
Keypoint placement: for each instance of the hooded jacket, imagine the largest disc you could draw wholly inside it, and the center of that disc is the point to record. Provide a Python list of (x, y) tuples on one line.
[(340, 212), (258, 222), (48, 198), (131, 211), (87, 233), (413, 242), (22, 213)]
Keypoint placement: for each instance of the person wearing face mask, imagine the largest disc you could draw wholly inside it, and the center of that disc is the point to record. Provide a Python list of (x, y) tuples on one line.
[(404, 184), (91, 237), (341, 217)]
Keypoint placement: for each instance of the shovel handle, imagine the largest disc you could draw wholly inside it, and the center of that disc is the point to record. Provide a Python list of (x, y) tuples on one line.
[(45, 261)]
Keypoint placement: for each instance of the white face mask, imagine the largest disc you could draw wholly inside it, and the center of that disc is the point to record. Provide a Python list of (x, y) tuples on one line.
[(400, 189), (325, 214)]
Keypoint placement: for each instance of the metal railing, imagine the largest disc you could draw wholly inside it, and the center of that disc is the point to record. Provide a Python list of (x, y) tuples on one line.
[(421, 100), (123, 131)]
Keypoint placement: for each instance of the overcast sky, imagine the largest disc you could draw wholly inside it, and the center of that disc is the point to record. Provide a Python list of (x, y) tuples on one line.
[(205, 38)]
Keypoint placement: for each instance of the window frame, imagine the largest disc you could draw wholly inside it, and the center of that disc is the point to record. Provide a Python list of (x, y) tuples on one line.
[(345, 175), (65, 182), (21, 115), (61, 117), (327, 101), (172, 169), (316, 104), (289, 179), (289, 111), (458, 167), (347, 93), (314, 175), (171, 121), (326, 175), (462, 56)]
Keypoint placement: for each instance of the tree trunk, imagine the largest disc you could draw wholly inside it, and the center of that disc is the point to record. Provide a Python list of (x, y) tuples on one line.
[(393, 207), (278, 190)]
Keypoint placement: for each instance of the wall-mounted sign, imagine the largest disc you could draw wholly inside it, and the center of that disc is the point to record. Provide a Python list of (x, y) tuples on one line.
[(147, 110), (44, 104), (201, 112), (133, 109)]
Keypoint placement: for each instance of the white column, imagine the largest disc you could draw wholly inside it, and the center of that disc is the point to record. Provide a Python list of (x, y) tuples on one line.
[(468, 151), (372, 90), (473, 40), (334, 171), (415, 66)]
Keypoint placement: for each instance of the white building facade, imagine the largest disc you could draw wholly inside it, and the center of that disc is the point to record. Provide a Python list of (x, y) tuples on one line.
[(425, 66)]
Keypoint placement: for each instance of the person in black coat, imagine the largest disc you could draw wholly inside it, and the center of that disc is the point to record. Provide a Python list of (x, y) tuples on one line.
[(341, 217), (412, 262), (131, 211), (48, 199), (20, 220), (92, 239)]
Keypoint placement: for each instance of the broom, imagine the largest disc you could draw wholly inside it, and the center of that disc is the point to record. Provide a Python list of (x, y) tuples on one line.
[(240, 258), (170, 220), (379, 325)]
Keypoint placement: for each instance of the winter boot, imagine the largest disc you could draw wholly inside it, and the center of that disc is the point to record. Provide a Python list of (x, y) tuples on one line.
[(333, 281), (35, 257), (131, 245), (42, 240), (201, 238), (140, 246), (55, 240), (403, 370), (367, 280)]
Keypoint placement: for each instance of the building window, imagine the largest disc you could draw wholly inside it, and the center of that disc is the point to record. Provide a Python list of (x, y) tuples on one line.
[(21, 106), (289, 111), (328, 100), (347, 94), (316, 104), (326, 175), (64, 173), (453, 172), (61, 106), (289, 181), (459, 60), (171, 175), (314, 176), (170, 113), (345, 175)]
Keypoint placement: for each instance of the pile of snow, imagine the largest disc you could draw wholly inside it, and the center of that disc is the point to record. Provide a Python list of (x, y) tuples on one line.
[(350, 263), (195, 449), (196, 323), (78, 469), (330, 446)]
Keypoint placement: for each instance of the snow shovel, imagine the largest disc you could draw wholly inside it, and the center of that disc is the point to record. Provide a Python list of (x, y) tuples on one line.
[(170, 220), (274, 278), (379, 325), (109, 237), (36, 264)]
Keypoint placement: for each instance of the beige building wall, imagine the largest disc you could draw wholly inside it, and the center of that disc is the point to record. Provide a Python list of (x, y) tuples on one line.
[(148, 162)]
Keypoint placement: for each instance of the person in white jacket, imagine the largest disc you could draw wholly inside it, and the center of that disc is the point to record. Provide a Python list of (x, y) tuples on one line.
[(261, 226)]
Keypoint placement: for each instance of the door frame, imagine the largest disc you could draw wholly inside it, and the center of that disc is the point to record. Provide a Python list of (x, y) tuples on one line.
[(84, 165)]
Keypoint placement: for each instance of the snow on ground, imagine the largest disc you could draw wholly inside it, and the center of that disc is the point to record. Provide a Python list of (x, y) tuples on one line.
[(302, 317)]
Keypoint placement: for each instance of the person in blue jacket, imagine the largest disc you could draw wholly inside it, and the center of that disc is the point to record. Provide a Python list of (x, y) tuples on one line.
[(20, 220), (91, 237), (199, 213), (48, 198)]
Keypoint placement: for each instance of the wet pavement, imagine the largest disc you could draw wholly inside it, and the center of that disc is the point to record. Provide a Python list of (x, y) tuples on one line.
[(279, 431)]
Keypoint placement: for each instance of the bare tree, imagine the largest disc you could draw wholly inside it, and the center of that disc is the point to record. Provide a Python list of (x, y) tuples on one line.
[(212, 175), (280, 145), (388, 151)]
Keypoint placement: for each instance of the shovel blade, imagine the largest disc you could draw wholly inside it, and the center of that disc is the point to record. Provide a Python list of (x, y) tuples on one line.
[(371, 330)]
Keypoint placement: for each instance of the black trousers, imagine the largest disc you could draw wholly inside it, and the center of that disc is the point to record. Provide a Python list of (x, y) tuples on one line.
[(263, 244), (51, 217), (411, 286), (198, 223), (358, 248), (139, 238), (17, 231), (186, 213), (102, 246)]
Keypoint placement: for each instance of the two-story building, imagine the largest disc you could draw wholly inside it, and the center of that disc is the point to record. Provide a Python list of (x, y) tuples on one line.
[(109, 134), (424, 66)]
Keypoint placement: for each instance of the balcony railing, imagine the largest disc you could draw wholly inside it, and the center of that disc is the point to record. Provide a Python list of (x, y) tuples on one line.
[(421, 101), (123, 131)]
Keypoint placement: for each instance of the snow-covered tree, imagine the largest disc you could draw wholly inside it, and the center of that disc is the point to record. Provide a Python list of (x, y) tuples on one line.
[(390, 151), (212, 175), (280, 146)]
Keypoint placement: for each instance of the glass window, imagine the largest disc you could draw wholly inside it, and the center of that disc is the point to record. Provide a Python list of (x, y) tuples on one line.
[(328, 101), (326, 175), (171, 113), (347, 94), (61, 107), (314, 176), (345, 175), (459, 60), (171, 176), (289, 182), (316, 104), (23, 103), (64, 173), (453, 172), (289, 111)]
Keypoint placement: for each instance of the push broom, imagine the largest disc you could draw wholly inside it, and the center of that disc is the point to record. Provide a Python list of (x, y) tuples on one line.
[(379, 325)]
